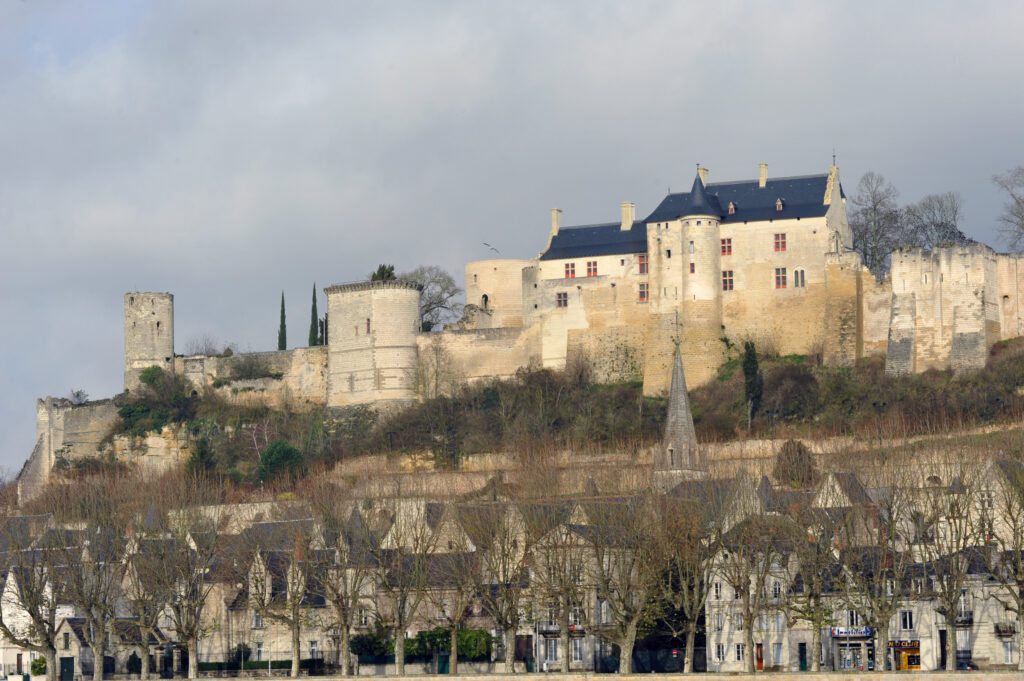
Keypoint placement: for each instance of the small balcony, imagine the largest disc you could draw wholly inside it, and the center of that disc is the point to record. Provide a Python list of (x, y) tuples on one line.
[(964, 618), (1006, 629), (548, 628)]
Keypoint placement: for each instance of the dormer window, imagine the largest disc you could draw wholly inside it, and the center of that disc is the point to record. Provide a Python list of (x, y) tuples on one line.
[(732, 208), (778, 205)]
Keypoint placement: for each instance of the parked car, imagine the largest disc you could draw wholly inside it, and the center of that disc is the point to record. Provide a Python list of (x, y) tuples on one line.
[(966, 666)]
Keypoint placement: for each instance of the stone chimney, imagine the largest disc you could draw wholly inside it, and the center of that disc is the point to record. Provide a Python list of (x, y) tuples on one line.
[(762, 175), (628, 216), (703, 172), (556, 220)]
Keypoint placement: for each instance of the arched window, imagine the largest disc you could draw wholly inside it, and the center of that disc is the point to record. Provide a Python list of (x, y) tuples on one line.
[(483, 301)]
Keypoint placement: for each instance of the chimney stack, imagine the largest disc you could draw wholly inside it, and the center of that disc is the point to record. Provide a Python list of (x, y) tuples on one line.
[(628, 216), (762, 175), (556, 220), (703, 172)]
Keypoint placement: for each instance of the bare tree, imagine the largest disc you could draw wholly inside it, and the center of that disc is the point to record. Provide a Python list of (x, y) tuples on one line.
[(1001, 503), (32, 594), (935, 221), (204, 345), (453, 581), (876, 221), (815, 580), (438, 297), (1012, 217)]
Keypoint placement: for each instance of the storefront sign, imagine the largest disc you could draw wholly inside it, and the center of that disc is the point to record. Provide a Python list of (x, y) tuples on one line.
[(905, 644), (850, 632)]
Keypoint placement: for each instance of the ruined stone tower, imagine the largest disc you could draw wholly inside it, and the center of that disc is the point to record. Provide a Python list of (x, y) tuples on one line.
[(680, 456), (148, 334), (372, 342)]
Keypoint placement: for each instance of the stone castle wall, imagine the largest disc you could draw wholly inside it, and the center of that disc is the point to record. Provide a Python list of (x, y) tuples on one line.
[(495, 287), (148, 334)]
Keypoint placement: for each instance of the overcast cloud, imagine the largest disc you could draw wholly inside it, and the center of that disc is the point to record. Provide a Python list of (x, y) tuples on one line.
[(228, 151)]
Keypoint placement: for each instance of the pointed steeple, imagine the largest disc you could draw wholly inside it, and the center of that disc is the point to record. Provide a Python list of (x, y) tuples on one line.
[(699, 202), (679, 450)]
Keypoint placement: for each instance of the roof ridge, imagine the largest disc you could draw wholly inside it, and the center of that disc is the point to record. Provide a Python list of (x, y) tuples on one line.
[(770, 179)]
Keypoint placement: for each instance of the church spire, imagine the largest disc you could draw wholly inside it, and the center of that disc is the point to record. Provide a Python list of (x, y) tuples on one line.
[(680, 456)]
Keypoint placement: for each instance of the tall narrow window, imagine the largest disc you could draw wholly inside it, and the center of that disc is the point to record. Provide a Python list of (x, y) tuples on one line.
[(562, 300), (641, 262), (643, 293), (798, 279), (691, 244), (780, 277), (739, 652), (367, 325), (780, 243), (570, 270), (726, 246), (693, 267), (591, 268), (726, 280)]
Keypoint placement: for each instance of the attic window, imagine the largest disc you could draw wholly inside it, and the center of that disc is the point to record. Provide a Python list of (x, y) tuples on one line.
[(778, 205), (732, 208)]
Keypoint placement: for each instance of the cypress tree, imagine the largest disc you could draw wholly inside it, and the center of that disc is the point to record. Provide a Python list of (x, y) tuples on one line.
[(314, 319), (753, 381), (282, 330)]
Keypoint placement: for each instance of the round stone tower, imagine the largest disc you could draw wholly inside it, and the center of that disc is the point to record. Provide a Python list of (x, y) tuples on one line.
[(371, 343), (148, 334)]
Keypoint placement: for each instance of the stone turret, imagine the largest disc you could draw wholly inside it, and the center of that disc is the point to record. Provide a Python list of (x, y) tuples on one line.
[(680, 456), (148, 334)]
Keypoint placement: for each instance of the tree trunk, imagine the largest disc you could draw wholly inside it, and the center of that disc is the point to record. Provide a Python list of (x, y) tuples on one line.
[(951, 640), (345, 654), (749, 652), (1020, 637), (143, 652), (296, 650), (400, 652), (193, 657), (99, 645), (882, 647), (626, 650), (453, 653), (51, 664), (510, 650), (815, 651), (691, 641), (565, 648)]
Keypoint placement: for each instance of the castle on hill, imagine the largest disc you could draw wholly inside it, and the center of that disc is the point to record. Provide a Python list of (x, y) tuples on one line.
[(769, 260)]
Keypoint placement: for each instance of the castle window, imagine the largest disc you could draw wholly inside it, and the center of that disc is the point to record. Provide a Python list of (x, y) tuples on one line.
[(691, 247), (561, 300), (732, 208), (643, 293), (780, 243), (726, 246), (367, 326), (693, 267), (483, 301), (778, 205), (780, 277), (622, 262), (591, 268), (798, 279), (641, 261), (726, 280), (668, 252), (570, 270)]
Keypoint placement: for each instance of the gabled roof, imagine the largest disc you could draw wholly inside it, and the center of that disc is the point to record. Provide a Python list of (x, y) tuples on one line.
[(601, 239), (802, 197)]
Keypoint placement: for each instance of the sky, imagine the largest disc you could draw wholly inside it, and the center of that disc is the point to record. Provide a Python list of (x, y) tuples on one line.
[(228, 151)]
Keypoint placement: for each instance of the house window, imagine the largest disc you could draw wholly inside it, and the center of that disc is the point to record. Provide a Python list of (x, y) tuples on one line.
[(551, 649), (719, 621), (732, 208), (576, 615), (1007, 652), (780, 243), (719, 652), (726, 246), (727, 281), (739, 621), (798, 279), (576, 572), (591, 268), (641, 261), (776, 590), (777, 653), (257, 620), (693, 267), (364, 617), (739, 652), (562, 299), (570, 270), (780, 277), (67, 641), (258, 653), (312, 650), (643, 293), (907, 620), (852, 618), (691, 244), (577, 650), (718, 591)]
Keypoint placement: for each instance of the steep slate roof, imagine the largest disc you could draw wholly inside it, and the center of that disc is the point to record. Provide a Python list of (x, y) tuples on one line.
[(601, 239), (802, 197), (680, 436)]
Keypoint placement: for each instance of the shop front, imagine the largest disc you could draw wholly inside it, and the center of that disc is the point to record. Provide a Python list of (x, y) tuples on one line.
[(853, 648), (906, 654)]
